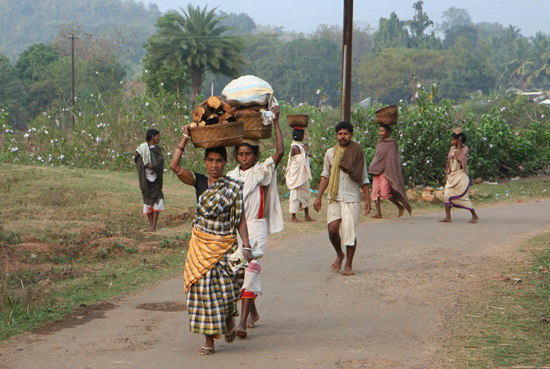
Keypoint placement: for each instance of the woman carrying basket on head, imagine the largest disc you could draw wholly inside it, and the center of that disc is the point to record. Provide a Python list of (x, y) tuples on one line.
[(211, 284), (263, 213), (387, 178)]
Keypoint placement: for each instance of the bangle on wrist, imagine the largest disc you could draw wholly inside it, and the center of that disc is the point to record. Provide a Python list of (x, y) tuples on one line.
[(184, 135), (247, 248), (181, 170)]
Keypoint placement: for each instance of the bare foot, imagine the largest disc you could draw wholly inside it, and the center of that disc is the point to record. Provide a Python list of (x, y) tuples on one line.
[(231, 334), (295, 220), (348, 271), (377, 216), (446, 220), (337, 265), (401, 211), (309, 219), (150, 229), (473, 220), (242, 334), (252, 320)]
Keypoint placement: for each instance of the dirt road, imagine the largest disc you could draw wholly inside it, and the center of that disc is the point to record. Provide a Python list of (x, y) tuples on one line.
[(391, 314)]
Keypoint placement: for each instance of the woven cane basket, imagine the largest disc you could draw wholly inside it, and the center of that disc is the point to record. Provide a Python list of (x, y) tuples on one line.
[(297, 120), (387, 115), (217, 135), (254, 127)]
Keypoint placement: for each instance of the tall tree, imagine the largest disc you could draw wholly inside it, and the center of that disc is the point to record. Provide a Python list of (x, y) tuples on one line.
[(453, 18), (391, 33), (541, 61), (418, 26), (10, 91), (194, 40)]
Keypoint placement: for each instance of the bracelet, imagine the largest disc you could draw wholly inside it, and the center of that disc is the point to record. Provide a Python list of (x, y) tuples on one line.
[(181, 170), (180, 148), (184, 135), (247, 248)]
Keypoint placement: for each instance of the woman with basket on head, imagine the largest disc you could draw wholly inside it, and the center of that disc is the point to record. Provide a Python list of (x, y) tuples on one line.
[(298, 173), (212, 283), (263, 213), (386, 167), (457, 181)]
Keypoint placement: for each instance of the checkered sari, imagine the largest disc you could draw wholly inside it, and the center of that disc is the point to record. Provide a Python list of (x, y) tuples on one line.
[(219, 208), (214, 296)]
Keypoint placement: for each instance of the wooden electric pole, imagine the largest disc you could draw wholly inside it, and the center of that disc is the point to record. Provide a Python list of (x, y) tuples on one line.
[(346, 60)]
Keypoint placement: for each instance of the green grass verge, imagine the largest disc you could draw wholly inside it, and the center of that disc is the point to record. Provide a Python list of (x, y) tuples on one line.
[(507, 324), (33, 297)]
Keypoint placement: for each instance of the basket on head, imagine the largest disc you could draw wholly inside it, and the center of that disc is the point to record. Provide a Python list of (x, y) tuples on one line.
[(387, 115), (297, 120), (254, 127), (217, 135)]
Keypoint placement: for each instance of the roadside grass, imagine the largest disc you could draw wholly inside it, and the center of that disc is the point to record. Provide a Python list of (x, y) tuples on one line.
[(32, 297), (507, 323), (71, 237)]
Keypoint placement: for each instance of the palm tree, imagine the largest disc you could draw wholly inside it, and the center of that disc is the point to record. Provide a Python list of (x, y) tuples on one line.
[(520, 67), (194, 40), (541, 58)]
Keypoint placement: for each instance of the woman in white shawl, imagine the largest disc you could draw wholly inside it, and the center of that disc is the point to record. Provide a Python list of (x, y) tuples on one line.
[(298, 175), (263, 214)]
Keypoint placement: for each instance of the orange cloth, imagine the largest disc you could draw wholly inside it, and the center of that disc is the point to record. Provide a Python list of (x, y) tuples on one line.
[(205, 250)]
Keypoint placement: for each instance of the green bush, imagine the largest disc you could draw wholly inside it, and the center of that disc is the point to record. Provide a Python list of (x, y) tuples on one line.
[(107, 132)]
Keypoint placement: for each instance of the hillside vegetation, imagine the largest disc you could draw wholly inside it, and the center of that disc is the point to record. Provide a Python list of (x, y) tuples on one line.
[(27, 22)]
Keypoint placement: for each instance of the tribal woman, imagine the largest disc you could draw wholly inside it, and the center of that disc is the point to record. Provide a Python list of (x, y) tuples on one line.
[(150, 168), (212, 285), (456, 174), (263, 214)]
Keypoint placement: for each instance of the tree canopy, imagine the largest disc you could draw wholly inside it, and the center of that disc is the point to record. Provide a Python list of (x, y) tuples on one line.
[(194, 40)]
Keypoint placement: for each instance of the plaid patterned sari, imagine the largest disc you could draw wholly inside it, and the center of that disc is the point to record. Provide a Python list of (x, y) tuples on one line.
[(214, 295)]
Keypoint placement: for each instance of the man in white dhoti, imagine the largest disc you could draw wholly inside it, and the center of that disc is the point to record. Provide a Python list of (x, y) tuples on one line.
[(263, 215), (344, 172), (298, 175)]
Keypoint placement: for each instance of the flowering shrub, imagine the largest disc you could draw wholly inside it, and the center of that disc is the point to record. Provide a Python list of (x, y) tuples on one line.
[(105, 135), (423, 139), (109, 128)]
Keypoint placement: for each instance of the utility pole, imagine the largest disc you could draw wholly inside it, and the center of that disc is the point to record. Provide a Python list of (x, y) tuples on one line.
[(346, 60), (72, 37)]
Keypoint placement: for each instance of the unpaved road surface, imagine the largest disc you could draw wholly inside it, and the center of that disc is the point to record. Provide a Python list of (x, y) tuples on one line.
[(391, 314)]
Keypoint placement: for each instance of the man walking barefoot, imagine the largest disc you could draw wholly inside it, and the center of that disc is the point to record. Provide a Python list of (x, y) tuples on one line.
[(344, 171)]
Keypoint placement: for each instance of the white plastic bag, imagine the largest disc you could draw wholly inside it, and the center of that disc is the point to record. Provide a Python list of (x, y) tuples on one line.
[(249, 90)]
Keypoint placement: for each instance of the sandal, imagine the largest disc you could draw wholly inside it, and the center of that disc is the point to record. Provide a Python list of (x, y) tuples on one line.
[(228, 335), (206, 350)]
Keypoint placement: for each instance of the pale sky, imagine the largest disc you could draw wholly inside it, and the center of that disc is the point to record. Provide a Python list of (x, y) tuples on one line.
[(304, 15)]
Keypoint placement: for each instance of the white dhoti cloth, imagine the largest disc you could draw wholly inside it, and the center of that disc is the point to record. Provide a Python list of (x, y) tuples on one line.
[(348, 212), (299, 198), (298, 175), (257, 230)]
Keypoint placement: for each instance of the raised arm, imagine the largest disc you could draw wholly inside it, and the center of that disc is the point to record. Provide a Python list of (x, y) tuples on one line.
[(279, 142), (183, 174)]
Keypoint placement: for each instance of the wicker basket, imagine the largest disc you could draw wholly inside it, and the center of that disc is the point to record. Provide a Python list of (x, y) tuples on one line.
[(217, 135), (297, 120), (254, 127), (387, 115)]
